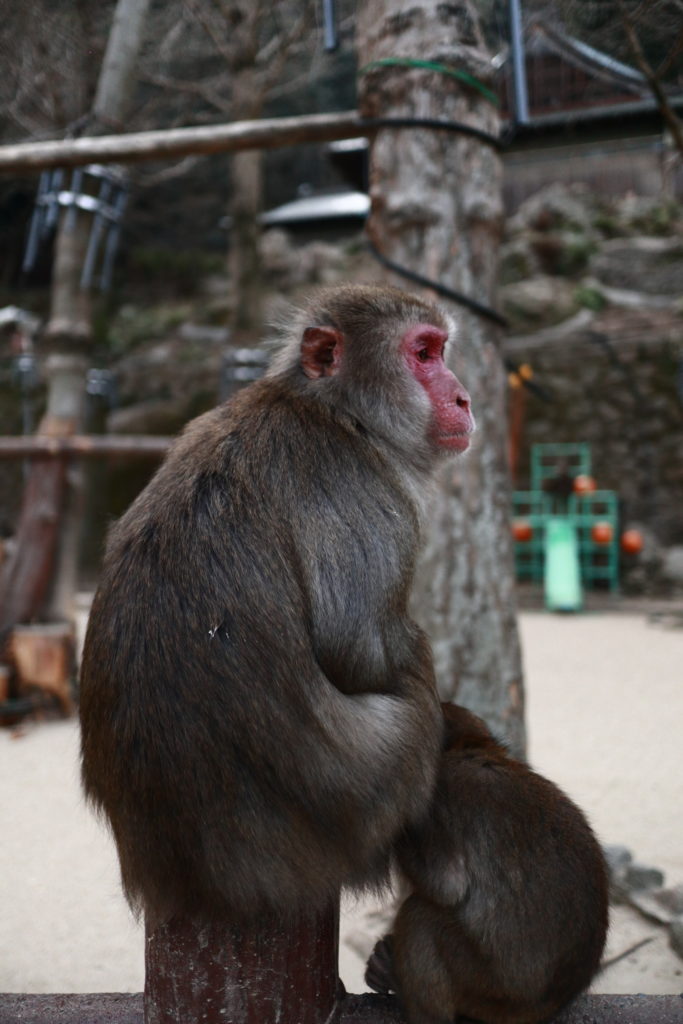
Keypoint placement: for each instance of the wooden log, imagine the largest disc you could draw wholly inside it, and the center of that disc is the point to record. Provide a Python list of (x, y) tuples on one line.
[(169, 144), (44, 658), (26, 574), (40, 446), (215, 974)]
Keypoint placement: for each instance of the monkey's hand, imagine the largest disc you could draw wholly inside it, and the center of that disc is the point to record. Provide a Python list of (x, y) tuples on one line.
[(379, 971)]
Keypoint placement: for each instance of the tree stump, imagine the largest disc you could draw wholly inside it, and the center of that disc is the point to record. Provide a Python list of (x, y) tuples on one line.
[(214, 973)]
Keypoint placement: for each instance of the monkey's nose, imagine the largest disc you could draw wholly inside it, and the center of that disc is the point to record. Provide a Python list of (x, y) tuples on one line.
[(463, 401)]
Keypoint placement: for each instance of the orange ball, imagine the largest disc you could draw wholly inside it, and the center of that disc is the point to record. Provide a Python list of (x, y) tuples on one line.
[(602, 533), (584, 484), (521, 530), (631, 542)]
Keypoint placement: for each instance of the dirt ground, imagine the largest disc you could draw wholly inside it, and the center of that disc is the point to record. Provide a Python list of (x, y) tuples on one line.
[(605, 705)]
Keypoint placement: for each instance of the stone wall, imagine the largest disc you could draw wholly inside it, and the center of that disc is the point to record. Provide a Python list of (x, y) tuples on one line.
[(593, 290), (615, 380)]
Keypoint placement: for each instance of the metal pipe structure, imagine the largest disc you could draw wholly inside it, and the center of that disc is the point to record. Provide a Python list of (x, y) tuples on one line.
[(331, 40), (518, 63)]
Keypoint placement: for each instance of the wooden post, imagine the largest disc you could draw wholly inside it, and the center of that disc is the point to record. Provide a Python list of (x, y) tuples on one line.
[(213, 973)]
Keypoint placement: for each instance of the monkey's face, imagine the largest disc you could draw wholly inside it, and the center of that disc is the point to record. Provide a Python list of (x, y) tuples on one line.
[(452, 422)]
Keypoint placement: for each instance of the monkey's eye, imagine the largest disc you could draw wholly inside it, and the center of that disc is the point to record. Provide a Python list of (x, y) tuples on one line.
[(423, 355)]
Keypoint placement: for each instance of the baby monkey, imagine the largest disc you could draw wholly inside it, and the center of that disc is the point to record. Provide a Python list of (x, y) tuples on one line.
[(507, 919)]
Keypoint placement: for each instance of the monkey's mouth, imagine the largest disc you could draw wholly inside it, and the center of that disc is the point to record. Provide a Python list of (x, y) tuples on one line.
[(454, 442)]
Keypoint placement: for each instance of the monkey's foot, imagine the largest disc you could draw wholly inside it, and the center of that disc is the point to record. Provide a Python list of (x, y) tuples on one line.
[(379, 972)]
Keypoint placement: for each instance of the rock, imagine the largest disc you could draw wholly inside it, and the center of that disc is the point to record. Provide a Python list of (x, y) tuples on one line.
[(653, 266), (155, 355), (672, 899), (517, 261), (641, 876), (557, 207), (326, 262), (562, 252), (629, 881), (203, 334), (618, 858), (289, 266), (634, 214), (642, 573), (672, 565), (538, 301), (663, 905), (676, 935), (276, 251), (214, 286)]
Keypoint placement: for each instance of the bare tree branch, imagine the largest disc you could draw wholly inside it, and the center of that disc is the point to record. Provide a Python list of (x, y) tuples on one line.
[(193, 88), (672, 121), (201, 15), (668, 62), (168, 173)]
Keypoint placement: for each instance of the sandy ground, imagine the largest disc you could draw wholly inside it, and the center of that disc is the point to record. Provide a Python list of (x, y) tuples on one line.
[(605, 705)]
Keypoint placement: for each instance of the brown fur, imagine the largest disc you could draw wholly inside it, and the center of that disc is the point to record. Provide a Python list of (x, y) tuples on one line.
[(259, 717), (508, 917)]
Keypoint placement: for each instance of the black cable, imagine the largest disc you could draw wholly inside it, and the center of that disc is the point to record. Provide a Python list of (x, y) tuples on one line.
[(437, 124), (463, 300), (462, 129)]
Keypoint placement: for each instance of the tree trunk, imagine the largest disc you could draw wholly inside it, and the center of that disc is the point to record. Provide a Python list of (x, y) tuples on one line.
[(437, 210), (244, 262), (66, 396), (68, 338), (246, 199), (69, 330), (117, 77)]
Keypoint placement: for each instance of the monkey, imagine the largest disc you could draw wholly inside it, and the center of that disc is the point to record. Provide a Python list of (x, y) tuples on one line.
[(507, 912), (561, 485), (259, 717)]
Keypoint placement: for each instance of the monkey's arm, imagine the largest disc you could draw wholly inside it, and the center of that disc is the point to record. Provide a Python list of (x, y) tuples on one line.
[(356, 582)]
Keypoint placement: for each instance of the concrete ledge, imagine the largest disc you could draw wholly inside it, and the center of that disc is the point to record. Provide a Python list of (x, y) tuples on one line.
[(106, 1008)]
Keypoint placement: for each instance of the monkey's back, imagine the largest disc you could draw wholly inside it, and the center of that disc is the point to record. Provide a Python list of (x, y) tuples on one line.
[(215, 733), (515, 875)]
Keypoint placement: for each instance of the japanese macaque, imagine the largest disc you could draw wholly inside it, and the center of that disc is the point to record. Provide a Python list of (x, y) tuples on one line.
[(259, 715), (507, 918)]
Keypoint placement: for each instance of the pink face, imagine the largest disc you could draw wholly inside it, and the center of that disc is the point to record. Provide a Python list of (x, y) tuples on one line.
[(452, 420)]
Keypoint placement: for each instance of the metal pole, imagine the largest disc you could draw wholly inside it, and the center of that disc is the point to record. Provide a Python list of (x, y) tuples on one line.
[(518, 63), (329, 26)]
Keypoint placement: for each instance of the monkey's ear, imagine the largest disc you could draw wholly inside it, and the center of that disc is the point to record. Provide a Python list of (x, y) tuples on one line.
[(321, 351)]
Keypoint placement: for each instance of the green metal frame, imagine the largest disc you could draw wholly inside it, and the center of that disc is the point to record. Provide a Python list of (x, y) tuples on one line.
[(546, 460), (599, 563), (534, 508)]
